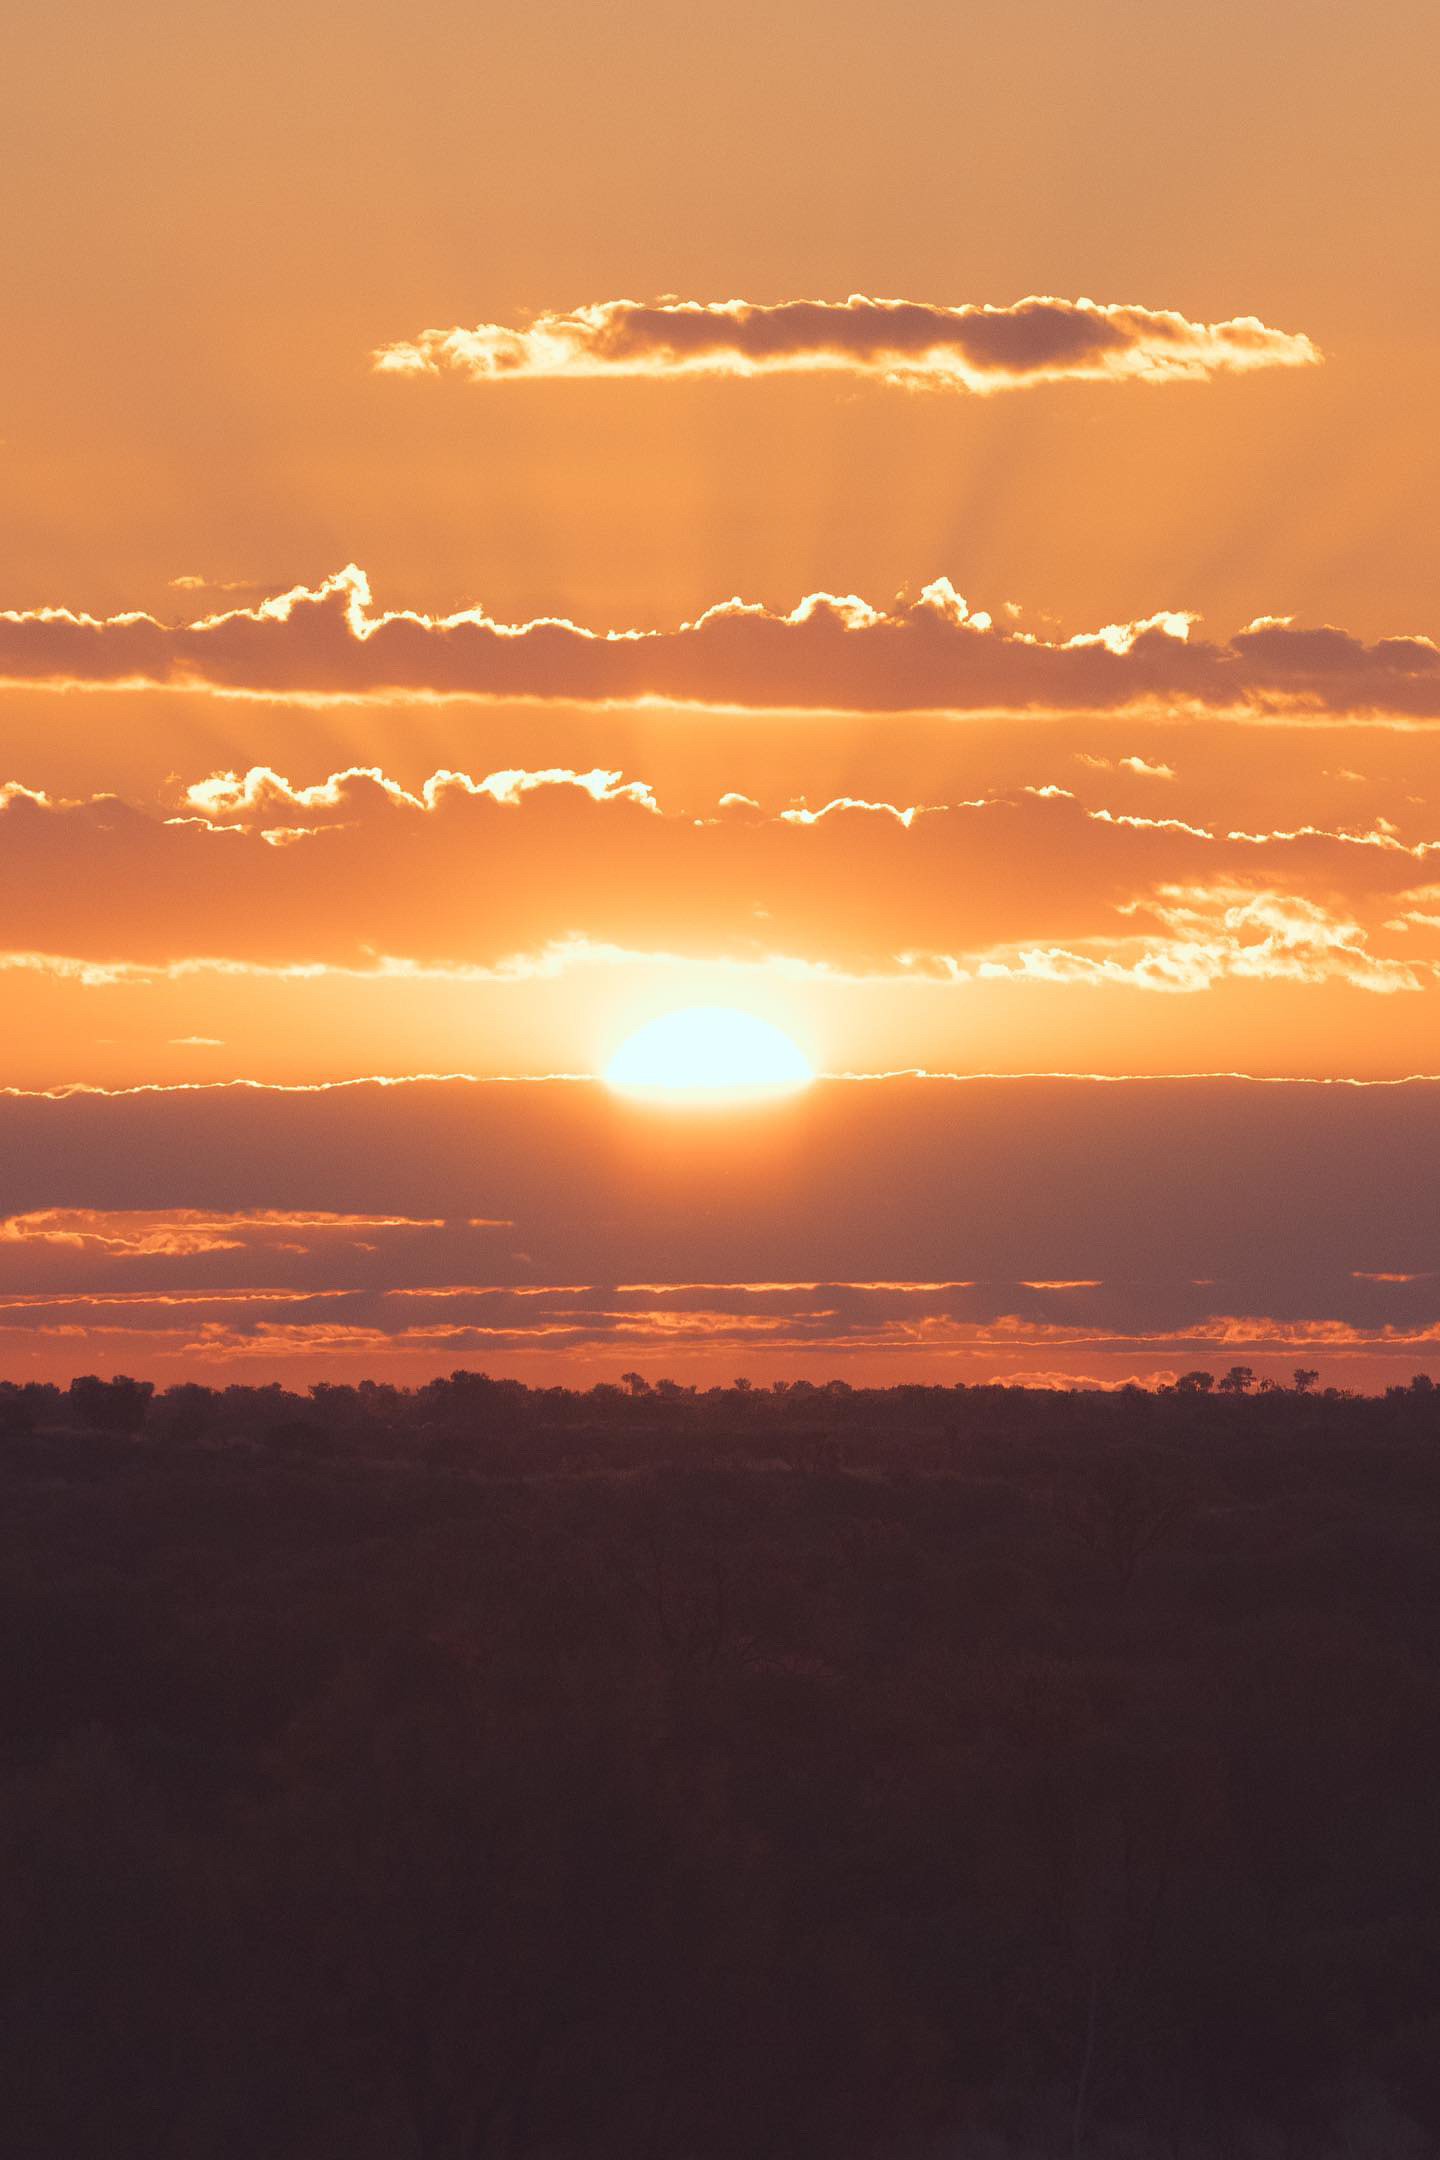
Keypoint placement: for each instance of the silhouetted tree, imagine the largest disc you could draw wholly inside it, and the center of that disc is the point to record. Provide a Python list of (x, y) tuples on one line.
[(18, 1413), (116, 1406), (185, 1412), (1125, 1507)]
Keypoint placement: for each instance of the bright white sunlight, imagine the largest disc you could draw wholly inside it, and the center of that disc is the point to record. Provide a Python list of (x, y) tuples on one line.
[(708, 1053)]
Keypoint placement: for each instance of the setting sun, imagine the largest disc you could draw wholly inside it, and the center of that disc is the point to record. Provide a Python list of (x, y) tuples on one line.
[(708, 1051)]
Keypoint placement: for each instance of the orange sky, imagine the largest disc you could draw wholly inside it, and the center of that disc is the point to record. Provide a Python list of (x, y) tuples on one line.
[(956, 680)]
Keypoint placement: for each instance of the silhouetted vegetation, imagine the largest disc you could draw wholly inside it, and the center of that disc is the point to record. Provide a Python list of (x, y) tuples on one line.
[(479, 1773)]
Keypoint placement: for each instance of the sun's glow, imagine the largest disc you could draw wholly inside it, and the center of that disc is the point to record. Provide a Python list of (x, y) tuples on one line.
[(708, 1053)]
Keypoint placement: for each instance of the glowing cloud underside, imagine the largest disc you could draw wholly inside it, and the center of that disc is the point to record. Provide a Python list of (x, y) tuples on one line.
[(708, 1051)]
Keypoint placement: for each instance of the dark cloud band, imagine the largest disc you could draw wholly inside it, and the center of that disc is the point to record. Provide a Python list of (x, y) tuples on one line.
[(982, 1222)]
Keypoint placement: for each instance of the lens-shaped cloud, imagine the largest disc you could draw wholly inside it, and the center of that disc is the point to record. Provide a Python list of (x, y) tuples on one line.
[(974, 348)]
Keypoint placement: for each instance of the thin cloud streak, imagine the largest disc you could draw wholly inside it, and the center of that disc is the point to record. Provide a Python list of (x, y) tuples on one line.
[(913, 344)]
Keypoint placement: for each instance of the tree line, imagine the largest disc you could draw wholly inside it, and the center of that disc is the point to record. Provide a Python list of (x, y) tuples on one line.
[(475, 1772)]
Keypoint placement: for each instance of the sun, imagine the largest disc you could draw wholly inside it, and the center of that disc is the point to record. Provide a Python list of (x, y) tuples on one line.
[(706, 1053)]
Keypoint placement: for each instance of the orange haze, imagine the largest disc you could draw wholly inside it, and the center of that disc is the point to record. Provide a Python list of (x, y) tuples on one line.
[(917, 526)]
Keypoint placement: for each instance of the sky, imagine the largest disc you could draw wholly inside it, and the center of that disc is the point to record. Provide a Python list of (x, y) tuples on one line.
[(914, 525)]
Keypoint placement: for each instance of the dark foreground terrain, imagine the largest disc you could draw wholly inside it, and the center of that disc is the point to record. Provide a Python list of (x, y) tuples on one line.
[(922, 1775)]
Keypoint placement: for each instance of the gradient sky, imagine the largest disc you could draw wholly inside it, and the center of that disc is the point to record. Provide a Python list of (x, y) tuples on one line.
[(519, 520)]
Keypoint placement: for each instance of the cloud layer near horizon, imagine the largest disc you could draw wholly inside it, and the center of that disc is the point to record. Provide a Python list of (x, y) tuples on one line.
[(998, 1227), (830, 653), (1039, 339)]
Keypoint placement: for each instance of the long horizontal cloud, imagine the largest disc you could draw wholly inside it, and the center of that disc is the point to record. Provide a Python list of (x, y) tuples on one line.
[(976, 348), (512, 871), (932, 653), (906, 1180), (968, 1227)]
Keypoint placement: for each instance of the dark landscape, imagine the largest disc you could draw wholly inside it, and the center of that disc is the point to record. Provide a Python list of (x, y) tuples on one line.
[(474, 1772)]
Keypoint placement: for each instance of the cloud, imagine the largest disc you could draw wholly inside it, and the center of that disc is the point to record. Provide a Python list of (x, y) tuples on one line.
[(976, 348), (929, 653), (1229, 933), (219, 1329), (1143, 768), (516, 874), (242, 588), (144, 1232), (962, 1228)]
